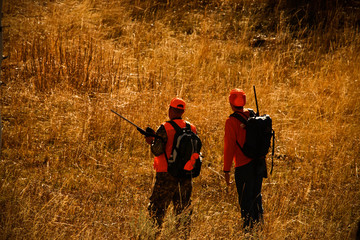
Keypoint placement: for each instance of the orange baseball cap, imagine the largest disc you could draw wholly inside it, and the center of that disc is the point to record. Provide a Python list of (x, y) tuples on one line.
[(177, 103), (237, 97)]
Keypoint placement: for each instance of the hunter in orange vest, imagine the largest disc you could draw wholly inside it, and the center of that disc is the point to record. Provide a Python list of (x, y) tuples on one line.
[(167, 188)]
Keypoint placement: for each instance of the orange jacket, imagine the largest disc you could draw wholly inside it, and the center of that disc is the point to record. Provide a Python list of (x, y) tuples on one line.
[(160, 163), (234, 130)]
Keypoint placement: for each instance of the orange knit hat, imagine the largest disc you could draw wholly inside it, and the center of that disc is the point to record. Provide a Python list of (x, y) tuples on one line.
[(237, 97)]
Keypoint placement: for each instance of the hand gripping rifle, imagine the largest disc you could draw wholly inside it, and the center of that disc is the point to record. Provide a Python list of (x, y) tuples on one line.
[(142, 131)]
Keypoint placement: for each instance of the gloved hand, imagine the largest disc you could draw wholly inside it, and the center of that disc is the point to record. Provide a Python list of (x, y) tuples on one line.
[(149, 139)]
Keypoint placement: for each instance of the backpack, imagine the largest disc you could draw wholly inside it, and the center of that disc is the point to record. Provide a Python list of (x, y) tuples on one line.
[(185, 160), (258, 135)]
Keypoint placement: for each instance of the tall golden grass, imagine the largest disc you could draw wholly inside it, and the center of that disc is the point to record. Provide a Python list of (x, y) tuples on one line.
[(71, 169)]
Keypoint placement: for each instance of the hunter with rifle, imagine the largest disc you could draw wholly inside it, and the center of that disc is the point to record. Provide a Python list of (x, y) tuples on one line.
[(246, 143), (177, 160)]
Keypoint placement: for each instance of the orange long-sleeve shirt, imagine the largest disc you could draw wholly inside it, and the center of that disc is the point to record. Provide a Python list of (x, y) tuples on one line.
[(234, 131)]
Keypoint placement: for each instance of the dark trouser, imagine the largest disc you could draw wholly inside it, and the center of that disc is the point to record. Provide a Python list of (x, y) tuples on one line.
[(168, 189), (248, 180)]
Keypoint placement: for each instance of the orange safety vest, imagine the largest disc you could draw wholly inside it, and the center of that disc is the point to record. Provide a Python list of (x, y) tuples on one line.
[(234, 131), (160, 163)]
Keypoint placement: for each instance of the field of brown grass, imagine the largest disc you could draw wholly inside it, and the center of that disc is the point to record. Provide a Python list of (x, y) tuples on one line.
[(71, 169)]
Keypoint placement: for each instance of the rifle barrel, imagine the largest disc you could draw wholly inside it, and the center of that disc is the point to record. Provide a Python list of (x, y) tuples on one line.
[(126, 119), (142, 131), (257, 106)]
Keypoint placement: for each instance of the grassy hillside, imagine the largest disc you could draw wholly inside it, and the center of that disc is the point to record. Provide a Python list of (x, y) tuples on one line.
[(71, 169)]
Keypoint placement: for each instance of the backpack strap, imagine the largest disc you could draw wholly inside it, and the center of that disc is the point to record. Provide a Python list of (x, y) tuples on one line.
[(178, 129), (273, 149), (239, 117), (175, 126), (242, 119)]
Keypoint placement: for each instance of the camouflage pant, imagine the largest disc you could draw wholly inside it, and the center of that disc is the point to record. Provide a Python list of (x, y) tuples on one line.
[(168, 189)]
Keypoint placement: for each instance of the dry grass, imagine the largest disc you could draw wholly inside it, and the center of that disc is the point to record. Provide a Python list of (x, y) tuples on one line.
[(71, 169)]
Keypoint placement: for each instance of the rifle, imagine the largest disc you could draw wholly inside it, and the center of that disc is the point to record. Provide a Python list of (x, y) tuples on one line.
[(142, 131), (272, 132), (257, 107)]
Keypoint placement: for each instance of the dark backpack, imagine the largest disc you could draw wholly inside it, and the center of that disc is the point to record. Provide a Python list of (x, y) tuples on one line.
[(258, 135), (186, 144)]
